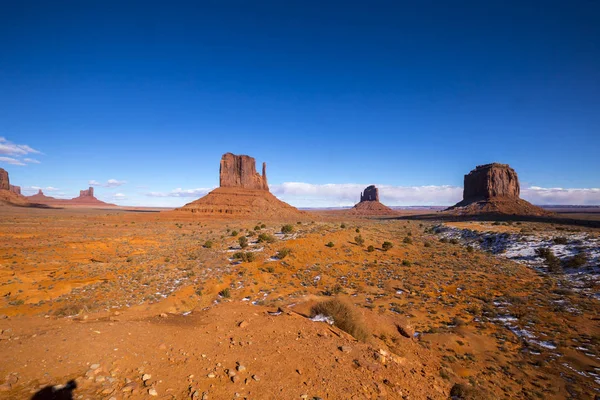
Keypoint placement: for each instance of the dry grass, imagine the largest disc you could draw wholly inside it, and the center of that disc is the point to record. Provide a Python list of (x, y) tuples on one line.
[(344, 317)]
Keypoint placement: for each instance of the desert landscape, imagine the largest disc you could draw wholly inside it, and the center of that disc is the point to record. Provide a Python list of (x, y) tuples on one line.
[(239, 295), (278, 200)]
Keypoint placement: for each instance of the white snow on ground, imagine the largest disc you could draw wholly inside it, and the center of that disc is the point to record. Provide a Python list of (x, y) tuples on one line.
[(521, 247), (322, 318)]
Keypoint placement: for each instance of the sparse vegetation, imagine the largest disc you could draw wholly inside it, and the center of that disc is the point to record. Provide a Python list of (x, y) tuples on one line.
[(371, 248), (283, 253), (287, 229), (225, 293), (344, 317), (386, 246), (330, 244), (560, 240), (407, 240), (234, 233), (243, 241), (245, 256), (265, 237), (208, 244), (359, 240), (550, 259), (577, 261)]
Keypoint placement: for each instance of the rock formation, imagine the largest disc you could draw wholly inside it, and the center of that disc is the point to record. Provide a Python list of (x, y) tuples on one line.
[(87, 192), (371, 193), (240, 172), (369, 203), (494, 189), (10, 194), (4, 182), (15, 189), (242, 192)]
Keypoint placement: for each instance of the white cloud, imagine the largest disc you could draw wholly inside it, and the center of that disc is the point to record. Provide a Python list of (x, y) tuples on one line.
[(542, 196), (347, 194), (9, 148), (181, 193), (32, 160), (109, 183), (11, 161), (119, 196)]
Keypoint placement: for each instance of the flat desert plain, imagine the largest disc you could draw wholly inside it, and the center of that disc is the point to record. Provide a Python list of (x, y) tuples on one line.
[(131, 305)]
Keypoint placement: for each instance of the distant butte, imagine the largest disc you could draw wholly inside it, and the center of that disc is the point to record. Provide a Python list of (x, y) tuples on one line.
[(86, 198), (242, 192), (494, 189), (369, 203)]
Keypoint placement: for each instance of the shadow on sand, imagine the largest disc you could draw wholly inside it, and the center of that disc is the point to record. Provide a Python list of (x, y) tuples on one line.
[(59, 392)]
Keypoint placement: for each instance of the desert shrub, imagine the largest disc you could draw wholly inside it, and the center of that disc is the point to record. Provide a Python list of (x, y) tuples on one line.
[(208, 244), (357, 230), (454, 241), (406, 263), (497, 223), (330, 244), (283, 253), (443, 240), (371, 248), (234, 233), (577, 261), (257, 228), (343, 226), (469, 248), (550, 259), (359, 240), (407, 240), (344, 317), (265, 237), (270, 269), (245, 256), (427, 244), (460, 391), (225, 293), (251, 233), (386, 246), (263, 226), (560, 240), (287, 229), (243, 240)]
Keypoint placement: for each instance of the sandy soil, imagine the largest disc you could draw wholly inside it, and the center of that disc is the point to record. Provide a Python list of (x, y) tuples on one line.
[(133, 304)]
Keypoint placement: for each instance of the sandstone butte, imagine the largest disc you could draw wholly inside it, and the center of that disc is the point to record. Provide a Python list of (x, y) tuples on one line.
[(86, 198), (242, 192), (10, 194), (369, 204), (494, 189)]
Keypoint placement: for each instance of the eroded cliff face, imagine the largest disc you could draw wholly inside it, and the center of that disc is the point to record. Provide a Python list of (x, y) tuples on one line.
[(4, 182), (240, 171), (491, 180), (371, 193), (15, 189), (87, 192)]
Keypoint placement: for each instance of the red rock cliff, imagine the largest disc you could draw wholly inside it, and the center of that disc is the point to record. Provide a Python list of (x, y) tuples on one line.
[(491, 180), (4, 182), (371, 193), (240, 171)]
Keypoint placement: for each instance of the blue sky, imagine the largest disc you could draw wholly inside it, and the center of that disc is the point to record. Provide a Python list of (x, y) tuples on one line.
[(332, 95)]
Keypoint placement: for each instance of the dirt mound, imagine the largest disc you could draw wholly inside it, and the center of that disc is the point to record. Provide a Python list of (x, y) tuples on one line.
[(494, 189), (241, 202)]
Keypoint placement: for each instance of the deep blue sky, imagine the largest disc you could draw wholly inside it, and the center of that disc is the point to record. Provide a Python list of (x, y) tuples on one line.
[(390, 92)]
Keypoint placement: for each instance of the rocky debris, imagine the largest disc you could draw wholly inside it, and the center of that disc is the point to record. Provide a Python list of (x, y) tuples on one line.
[(494, 189), (371, 193), (369, 203), (15, 189), (240, 171), (4, 182), (243, 192)]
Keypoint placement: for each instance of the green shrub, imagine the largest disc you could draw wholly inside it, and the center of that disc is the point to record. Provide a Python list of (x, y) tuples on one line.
[(343, 226), (407, 240), (469, 248), (406, 263), (344, 317), (359, 240), (560, 240), (234, 233), (357, 230), (244, 256), (330, 244), (243, 240), (454, 241), (550, 259), (208, 244), (263, 226), (371, 248), (283, 253), (287, 229), (427, 244), (386, 246), (257, 228), (265, 237), (577, 261), (225, 293)]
